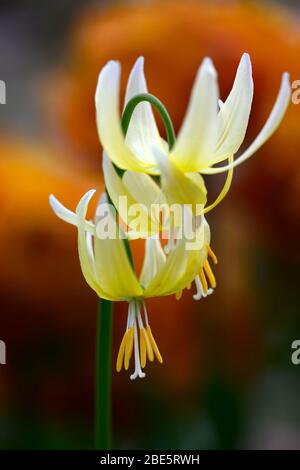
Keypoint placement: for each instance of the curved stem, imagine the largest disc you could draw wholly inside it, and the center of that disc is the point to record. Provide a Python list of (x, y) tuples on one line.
[(131, 105), (103, 376)]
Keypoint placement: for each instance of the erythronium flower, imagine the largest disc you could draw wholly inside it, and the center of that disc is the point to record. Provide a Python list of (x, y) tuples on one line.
[(108, 271), (212, 131)]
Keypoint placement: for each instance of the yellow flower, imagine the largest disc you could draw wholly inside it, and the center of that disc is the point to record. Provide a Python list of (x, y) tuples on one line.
[(212, 131), (108, 271)]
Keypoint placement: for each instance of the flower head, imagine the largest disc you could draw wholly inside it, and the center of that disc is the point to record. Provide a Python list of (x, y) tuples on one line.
[(212, 131), (109, 272)]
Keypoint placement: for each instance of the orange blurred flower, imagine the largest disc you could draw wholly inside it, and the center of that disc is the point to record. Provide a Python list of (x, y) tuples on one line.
[(174, 37)]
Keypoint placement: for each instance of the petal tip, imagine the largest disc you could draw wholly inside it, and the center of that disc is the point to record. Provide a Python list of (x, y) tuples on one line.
[(54, 203), (246, 62), (286, 78), (208, 66), (140, 61)]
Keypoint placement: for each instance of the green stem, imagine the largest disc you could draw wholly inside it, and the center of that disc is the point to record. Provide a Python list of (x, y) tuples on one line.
[(131, 105), (103, 376)]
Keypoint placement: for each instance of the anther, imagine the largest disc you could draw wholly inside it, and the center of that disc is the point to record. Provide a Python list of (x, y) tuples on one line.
[(209, 274)]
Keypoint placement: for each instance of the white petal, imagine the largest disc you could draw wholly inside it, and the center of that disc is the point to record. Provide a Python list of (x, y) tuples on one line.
[(269, 128), (234, 114), (197, 136), (68, 216), (142, 132), (109, 123), (86, 262)]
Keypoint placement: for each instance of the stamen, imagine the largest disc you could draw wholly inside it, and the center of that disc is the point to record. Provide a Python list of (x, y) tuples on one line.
[(138, 371), (143, 351), (210, 274), (145, 346), (146, 314), (121, 353), (212, 255), (200, 291), (203, 281), (128, 347), (153, 344)]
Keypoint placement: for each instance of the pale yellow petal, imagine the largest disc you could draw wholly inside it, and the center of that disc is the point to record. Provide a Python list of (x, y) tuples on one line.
[(68, 216), (182, 264), (197, 136), (142, 133), (109, 123), (86, 260), (269, 128), (127, 196), (234, 114), (113, 267), (179, 187)]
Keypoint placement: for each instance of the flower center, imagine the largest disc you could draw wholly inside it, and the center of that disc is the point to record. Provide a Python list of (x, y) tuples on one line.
[(143, 345)]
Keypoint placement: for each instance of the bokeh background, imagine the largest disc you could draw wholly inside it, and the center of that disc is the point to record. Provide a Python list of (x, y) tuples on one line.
[(227, 381)]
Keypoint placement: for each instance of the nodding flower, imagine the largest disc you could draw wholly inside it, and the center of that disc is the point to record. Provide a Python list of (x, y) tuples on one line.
[(109, 272)]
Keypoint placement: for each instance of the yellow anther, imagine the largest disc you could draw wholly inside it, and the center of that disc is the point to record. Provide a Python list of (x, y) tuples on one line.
[(203, 281), (128, 347), (148, 345), (210, 274), (212, 255), (178, 295), (143, 350), (121, 352), (154, 345)]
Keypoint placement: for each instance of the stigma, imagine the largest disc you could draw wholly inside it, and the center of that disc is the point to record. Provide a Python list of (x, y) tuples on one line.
[(205, 280), (138, 341)]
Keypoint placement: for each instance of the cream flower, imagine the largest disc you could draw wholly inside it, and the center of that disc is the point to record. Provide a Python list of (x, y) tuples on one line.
[(108, 271), (212, 131)]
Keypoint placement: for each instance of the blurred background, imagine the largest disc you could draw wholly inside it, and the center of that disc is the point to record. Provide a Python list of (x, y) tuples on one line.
[(227, 381)]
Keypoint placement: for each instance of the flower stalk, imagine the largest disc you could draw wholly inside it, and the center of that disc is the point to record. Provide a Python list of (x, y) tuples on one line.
[(103, 376)]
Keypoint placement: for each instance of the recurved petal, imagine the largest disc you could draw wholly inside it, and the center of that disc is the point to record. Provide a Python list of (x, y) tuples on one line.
[(269, 128), (197, 136), (84, 247), (113, 267), (108, 120), (142, 133), (233, 117), (68, 216)]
